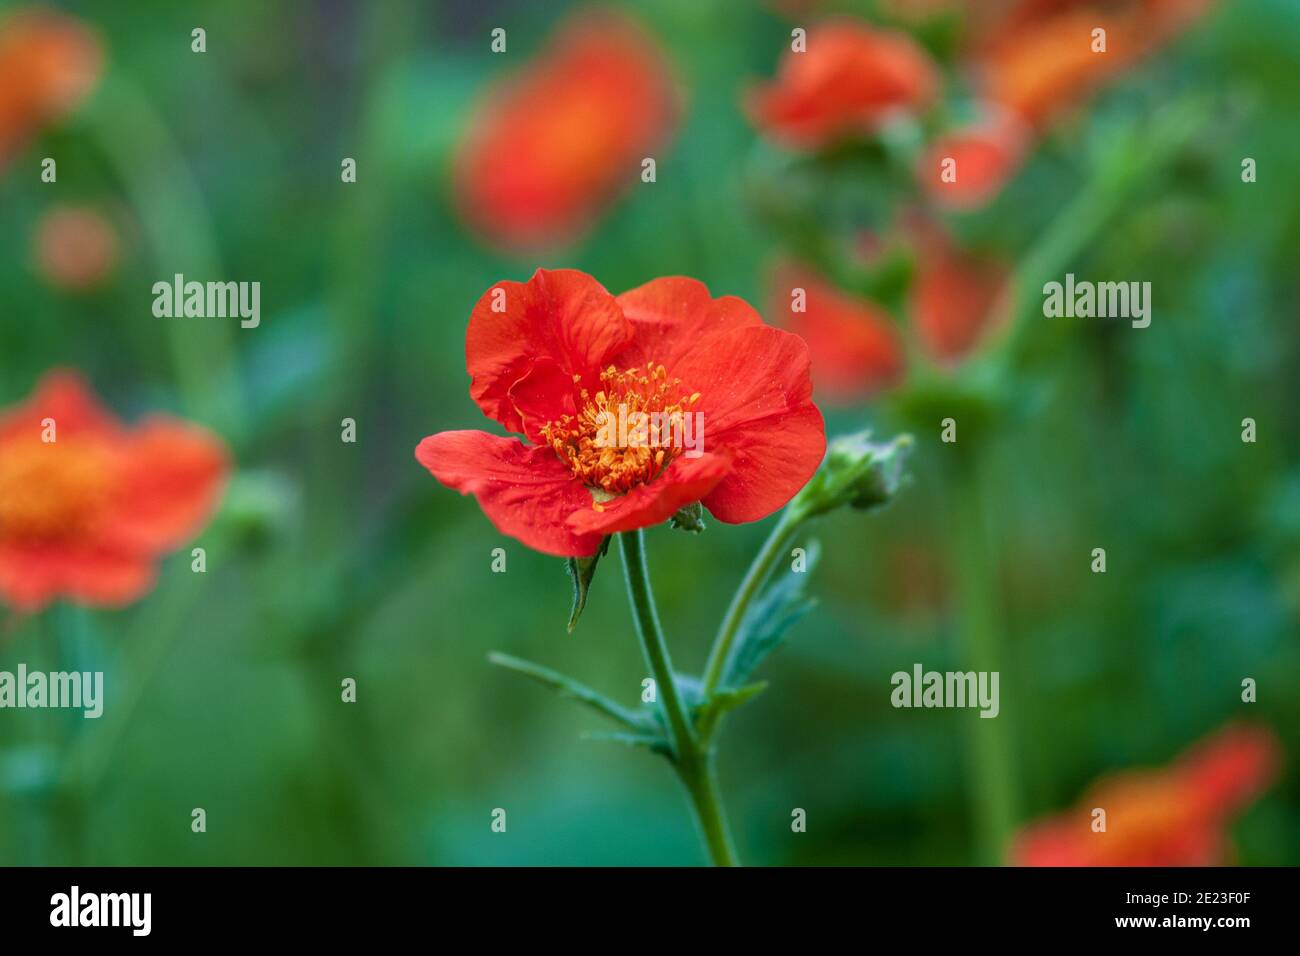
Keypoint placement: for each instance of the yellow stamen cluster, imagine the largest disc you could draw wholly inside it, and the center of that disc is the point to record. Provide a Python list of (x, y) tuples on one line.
[(51, 491), (636, 395)]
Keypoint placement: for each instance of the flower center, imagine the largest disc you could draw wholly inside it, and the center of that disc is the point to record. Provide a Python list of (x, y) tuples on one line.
[(625, 434), (51, 491)]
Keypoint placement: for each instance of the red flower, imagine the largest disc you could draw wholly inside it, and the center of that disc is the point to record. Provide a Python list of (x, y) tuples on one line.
[(87, 515), (549, 147), (985, 155), (850, 78), (854, 344), (557, 359), (1170, 817), (857, 349), (48, 63), (954, 297)]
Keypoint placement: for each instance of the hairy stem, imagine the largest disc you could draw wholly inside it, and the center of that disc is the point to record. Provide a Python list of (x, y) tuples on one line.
[(759, 571), (693, 762)]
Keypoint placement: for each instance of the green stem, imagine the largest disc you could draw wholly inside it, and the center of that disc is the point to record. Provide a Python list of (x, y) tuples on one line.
[(759, 571), (693, 762), (991, 767)]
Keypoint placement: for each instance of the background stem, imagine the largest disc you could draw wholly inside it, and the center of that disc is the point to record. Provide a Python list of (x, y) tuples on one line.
[(989, 753)]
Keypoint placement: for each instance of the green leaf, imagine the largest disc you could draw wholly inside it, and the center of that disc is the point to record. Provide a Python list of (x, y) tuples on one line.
[(568, 687), (764, 625), (689, 518), (581, 572)]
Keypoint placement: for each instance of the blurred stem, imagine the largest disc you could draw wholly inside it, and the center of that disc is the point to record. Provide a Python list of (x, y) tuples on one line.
[(1132, 160), (759, 571), (992, 773), (170, 206), (693, 762)]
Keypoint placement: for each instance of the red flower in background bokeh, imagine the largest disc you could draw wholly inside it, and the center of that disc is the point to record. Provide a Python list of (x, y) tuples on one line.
[(549, 147), (1033, 61), (854, 344), (954, 296), (560, 352), (87, 515), (1171, 817), (1038, 59), (857, 350), (48, 63), (848, 80)]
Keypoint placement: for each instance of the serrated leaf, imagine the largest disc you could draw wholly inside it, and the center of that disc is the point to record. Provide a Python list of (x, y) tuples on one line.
[(581, 572), (568, 687), (769, 617)]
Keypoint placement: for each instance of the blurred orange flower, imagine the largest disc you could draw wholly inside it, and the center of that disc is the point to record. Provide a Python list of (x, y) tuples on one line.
[(1171, 817), (75, 247), (849, 79), (1038, 59), (549, 147), (48, 63), (88, 505), (855, 347)]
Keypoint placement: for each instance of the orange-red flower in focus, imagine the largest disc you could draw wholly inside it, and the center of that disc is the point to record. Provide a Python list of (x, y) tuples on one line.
[(560, 354), (87, 515), (548, 148), (1171, 817), (853, 342), (848, 80), (48, 63)]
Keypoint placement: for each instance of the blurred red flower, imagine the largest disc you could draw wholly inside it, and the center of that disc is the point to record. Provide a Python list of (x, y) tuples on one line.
[(984, 156), (86, 516), (75, 247), (1171, 817), (849, 79), (548, 148), (858, 350), (560, 353), (855, 347), (954, 296), (48, 63)]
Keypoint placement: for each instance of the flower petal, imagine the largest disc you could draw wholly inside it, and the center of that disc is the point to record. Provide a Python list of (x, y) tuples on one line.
[(684, 481), (564, 317), (670, 315), (32, 576), (64, 396), (756, 398), (172, 478), (855, 347), (526, 491)]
